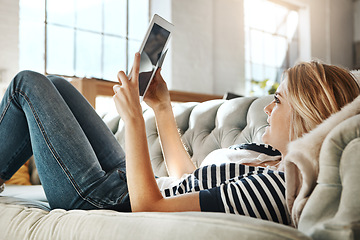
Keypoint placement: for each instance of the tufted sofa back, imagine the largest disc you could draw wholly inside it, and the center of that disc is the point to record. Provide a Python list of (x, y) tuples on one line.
[(204, 127)]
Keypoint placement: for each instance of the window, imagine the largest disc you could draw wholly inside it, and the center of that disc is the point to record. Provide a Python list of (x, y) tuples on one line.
[(82, 38), (271, 43)]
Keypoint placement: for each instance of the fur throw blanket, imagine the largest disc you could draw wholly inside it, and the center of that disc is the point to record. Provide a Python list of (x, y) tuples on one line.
[(302, 160)]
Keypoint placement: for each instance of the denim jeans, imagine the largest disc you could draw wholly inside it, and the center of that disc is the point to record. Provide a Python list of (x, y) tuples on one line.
[(80, 163)]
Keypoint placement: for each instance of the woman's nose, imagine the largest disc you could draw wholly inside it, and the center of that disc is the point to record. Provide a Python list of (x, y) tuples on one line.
[(268, 109)]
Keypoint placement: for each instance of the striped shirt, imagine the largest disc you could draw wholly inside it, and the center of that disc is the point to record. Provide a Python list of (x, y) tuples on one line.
[(239, 189)]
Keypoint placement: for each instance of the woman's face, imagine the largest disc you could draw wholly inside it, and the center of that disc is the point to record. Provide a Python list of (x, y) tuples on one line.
[(278, 111)]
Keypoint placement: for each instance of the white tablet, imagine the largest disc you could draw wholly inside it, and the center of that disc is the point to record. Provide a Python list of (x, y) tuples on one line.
[(153, 51)]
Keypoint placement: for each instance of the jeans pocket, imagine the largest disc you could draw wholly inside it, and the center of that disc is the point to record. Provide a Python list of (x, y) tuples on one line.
[(111, 191)]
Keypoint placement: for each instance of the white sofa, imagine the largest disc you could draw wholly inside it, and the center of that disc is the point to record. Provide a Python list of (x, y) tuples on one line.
[(204, 127)]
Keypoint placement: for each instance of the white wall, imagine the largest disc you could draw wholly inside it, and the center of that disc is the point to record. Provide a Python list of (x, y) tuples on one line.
[(207, 45), (357, 21), (9, 41), (341, 32), (228, 47), (331, 30), (192, 45), (357, 33)]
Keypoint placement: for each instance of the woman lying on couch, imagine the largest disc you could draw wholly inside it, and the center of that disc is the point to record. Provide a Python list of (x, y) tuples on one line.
[(82, 166)]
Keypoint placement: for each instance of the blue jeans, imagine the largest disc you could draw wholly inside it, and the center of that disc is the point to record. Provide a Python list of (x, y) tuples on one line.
[(80, 163)]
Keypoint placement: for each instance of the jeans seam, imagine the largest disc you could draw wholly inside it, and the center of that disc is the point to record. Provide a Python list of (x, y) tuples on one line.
[(1, 118), (11, 98), (6, 177), (52, 150), (6, 108)]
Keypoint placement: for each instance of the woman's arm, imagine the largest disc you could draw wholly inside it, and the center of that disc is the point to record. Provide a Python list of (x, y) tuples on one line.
[(177, 160), (143, 190)]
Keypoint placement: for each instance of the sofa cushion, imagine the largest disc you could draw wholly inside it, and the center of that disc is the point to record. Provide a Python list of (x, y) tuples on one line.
[(106, 224)]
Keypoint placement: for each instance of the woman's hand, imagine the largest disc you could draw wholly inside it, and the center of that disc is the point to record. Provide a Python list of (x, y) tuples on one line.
[(177, 159), (143, 190), (126, 96), (157, 96)]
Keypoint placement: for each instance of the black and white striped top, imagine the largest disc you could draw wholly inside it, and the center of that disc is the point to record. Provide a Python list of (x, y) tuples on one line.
[(239, 189)]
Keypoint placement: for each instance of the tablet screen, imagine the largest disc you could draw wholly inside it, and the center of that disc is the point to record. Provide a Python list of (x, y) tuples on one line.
[(151, 54)]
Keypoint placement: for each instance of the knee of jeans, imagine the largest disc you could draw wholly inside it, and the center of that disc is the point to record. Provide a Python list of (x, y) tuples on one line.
[(29, 77), (28, 74), (57, 81)]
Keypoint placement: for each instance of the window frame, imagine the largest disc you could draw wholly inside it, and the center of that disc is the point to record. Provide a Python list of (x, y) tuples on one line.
[(75, 29)]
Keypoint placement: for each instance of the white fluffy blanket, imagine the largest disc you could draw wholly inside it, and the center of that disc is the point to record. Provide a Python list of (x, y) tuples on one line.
[(302, 160)]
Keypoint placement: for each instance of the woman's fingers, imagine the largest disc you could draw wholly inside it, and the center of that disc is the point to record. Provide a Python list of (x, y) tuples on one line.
[(122, 78), (136, 67), (116, 88)]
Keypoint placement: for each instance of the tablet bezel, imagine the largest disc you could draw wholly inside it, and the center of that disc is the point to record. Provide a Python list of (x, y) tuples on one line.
[(167, 26)]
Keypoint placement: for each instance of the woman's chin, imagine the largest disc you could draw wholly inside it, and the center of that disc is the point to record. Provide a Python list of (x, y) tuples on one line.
[(264, 137)]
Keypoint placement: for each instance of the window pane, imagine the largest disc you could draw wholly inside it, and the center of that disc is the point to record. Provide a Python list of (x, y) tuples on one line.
[(281, 50), (292, 24), (134, 47), (33, 10), (247, 45), (61, 12), (114, 57), (247, 71), (281, 30), (115, 17), (88, 54), (60, 50), (31, 35), (98, 49), (138, 18), (270, 73), (280, 16), (267, 17), (269, 50), (252, 13), (31, 46), (257, 72), (271, 34), (256, 43), (89, 15), (293, 52)]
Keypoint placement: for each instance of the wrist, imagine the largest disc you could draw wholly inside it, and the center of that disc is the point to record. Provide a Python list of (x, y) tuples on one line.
[(162, 107), (134, 119), (135, 127)]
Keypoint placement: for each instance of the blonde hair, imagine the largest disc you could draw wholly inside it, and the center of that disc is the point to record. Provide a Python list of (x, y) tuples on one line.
[(315, 91)]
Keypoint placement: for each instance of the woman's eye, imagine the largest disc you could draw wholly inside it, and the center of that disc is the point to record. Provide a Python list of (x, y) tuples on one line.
[(276, 100)]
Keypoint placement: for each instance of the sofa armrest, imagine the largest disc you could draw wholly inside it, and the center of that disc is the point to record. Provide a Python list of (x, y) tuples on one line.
[(333, 209)]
